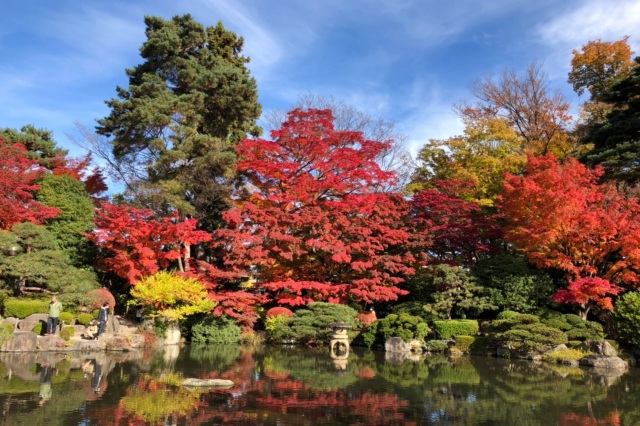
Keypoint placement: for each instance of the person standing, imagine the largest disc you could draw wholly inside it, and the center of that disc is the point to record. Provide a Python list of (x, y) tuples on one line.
[(55, 307), (103, 317)]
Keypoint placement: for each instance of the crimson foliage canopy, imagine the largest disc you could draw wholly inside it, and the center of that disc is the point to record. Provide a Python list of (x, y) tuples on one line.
[(312, 224)]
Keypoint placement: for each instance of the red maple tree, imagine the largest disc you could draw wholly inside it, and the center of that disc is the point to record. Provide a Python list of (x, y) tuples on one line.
[(460, 230), (18, 175), (562, 217), (135, 243), (310, 225)]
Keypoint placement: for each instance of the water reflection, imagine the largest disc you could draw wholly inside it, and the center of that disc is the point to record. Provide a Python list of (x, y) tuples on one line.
[(288, 386)]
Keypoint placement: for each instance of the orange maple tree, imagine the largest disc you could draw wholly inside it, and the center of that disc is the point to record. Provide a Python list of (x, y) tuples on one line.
[(561, 217)]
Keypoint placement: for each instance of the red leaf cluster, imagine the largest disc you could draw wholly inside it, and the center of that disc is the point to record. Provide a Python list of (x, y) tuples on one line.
[(135, 243), (460, 230), (279, 310), (18, 175)]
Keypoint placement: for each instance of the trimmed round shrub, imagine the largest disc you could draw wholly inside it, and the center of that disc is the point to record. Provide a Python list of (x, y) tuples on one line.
[(507, 315), (213, 329), (67, 332), (85, 319), (627, 317), (66, 317), (279, 311), (446, 329)]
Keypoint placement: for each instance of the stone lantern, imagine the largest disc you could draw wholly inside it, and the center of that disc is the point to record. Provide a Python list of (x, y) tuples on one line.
[(339, 344)]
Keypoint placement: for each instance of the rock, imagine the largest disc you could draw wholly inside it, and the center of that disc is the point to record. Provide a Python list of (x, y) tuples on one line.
[(569, 363), (11, 320), (29, 322), (396, 344), (599, 347), (207, 383), (604, 362), (561, 347), (137, 340), (21, 341)]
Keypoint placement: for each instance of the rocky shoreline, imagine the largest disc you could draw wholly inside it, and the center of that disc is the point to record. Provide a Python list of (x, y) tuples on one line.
[(121, 335)]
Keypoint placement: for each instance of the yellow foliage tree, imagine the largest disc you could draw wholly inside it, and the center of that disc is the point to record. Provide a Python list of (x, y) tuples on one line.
[(488, 148), (173, 296)]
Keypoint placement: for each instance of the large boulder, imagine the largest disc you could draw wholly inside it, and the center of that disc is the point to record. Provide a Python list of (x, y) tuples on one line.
[(599, 347), (396, 344), (604, 362), (29, 322), (21, 341)]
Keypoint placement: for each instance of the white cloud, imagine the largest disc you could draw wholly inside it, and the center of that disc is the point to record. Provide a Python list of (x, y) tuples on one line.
[(593, 19)]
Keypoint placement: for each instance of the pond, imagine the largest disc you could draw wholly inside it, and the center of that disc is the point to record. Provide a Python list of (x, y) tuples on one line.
[(292, 386)]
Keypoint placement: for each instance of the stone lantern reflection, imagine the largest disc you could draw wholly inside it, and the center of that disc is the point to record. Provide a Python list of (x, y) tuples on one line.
[(339, 344)]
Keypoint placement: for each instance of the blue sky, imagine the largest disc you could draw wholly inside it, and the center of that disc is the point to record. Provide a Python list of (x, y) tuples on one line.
[(406, 61)]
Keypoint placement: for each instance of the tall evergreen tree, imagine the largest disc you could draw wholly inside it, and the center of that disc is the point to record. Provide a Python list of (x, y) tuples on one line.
[(186, 106), (616, 139)]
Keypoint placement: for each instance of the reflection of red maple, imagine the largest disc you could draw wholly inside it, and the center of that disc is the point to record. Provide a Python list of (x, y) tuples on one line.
[(573, 419)]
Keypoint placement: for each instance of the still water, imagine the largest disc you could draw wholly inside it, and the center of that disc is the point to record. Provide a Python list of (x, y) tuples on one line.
[(290, 386)]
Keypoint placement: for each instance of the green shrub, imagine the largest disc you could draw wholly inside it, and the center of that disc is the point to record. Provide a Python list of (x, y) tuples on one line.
[(310, 326), (67, 332), (482, 345), (507, 315), (573, 344), (85, 319), (415, 308), (627, 317), (22, 308), (502, 325), (216, 330), (66, 317), (464, 343), (564, 355), (5, 332), (436, 346), (407, 327), (277, 329), (446, 329), (40, 328), (575, 327), (532, 336)]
